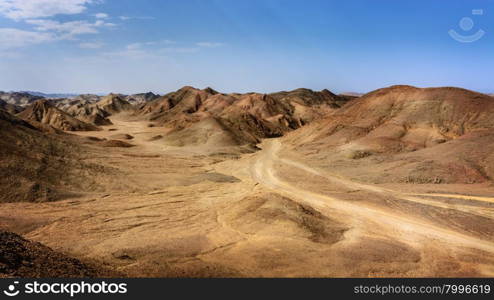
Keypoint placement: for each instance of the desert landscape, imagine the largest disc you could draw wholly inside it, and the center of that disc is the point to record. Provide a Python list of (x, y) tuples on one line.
[(397, 182)]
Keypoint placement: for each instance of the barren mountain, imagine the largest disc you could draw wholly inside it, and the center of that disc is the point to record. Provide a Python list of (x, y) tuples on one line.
[(352, 94), (237, 118), (42, 111), (86, 111), (438, 134), (11, 108), (113, 103), (50, 95), (32, 163), (142, 98), (19, 98), (88, 97), (65, 104), (97, 113)]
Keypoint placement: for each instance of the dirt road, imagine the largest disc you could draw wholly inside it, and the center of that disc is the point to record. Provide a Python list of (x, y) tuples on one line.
[(392, 224)]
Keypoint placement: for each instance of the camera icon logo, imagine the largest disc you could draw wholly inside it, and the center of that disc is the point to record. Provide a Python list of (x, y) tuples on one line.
[(466, 24), (11, 291)]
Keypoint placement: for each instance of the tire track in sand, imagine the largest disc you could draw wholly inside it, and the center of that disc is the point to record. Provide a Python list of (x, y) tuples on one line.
[(393, 224)]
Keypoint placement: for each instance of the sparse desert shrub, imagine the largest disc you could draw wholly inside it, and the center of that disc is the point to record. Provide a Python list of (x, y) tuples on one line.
[(423, 180), (116, 143), (358, 154)]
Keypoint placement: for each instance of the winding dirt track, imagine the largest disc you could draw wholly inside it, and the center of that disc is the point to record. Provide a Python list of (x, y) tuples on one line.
[(394, 225)]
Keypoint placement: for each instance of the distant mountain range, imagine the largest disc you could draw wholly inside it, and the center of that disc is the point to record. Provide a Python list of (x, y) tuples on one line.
[(140, 97), (354, 94), (56, 95), (73, 95), (18, 100)]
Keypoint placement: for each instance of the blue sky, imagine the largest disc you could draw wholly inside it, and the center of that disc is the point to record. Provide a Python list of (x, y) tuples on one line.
[(131, 46)]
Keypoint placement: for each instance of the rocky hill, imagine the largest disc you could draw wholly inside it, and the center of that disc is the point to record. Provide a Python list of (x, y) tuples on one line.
[(138, 99), (436, 134), (42, 111), (113, 104), (243, 118), (19, 98), (27, 259), (11, 108)]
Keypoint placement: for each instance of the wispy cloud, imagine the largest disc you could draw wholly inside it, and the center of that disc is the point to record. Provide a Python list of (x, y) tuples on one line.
[(134, 46), (28, 9), (126, 18), (153, 44), (129, 53), (68, 30), (133, 51), (14, 38), (101, 16), (91, 45), (209, 44), (178, 50), (142, 50), (161, 42), (162, 46), (38, 12)]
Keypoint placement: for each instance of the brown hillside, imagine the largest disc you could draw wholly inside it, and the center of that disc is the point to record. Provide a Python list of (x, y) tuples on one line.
[(403, 123), (37, 166), (142, 98), (43, 112), (11, 108), (87, 111), (113, 104), (97, 113), (243, 118), (23, 258)]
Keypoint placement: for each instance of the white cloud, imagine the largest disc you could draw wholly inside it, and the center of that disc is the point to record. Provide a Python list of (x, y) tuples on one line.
[(134, 46), (28, 9), (72, 28), (152, 48), (91, 45), (179, 50), (16, 38), (161, 42), (68, 30), (209, 44), (37, 13), (133, 51), (103, 23), (101, 16), (126, 18), (129, 53), (149, 50)]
